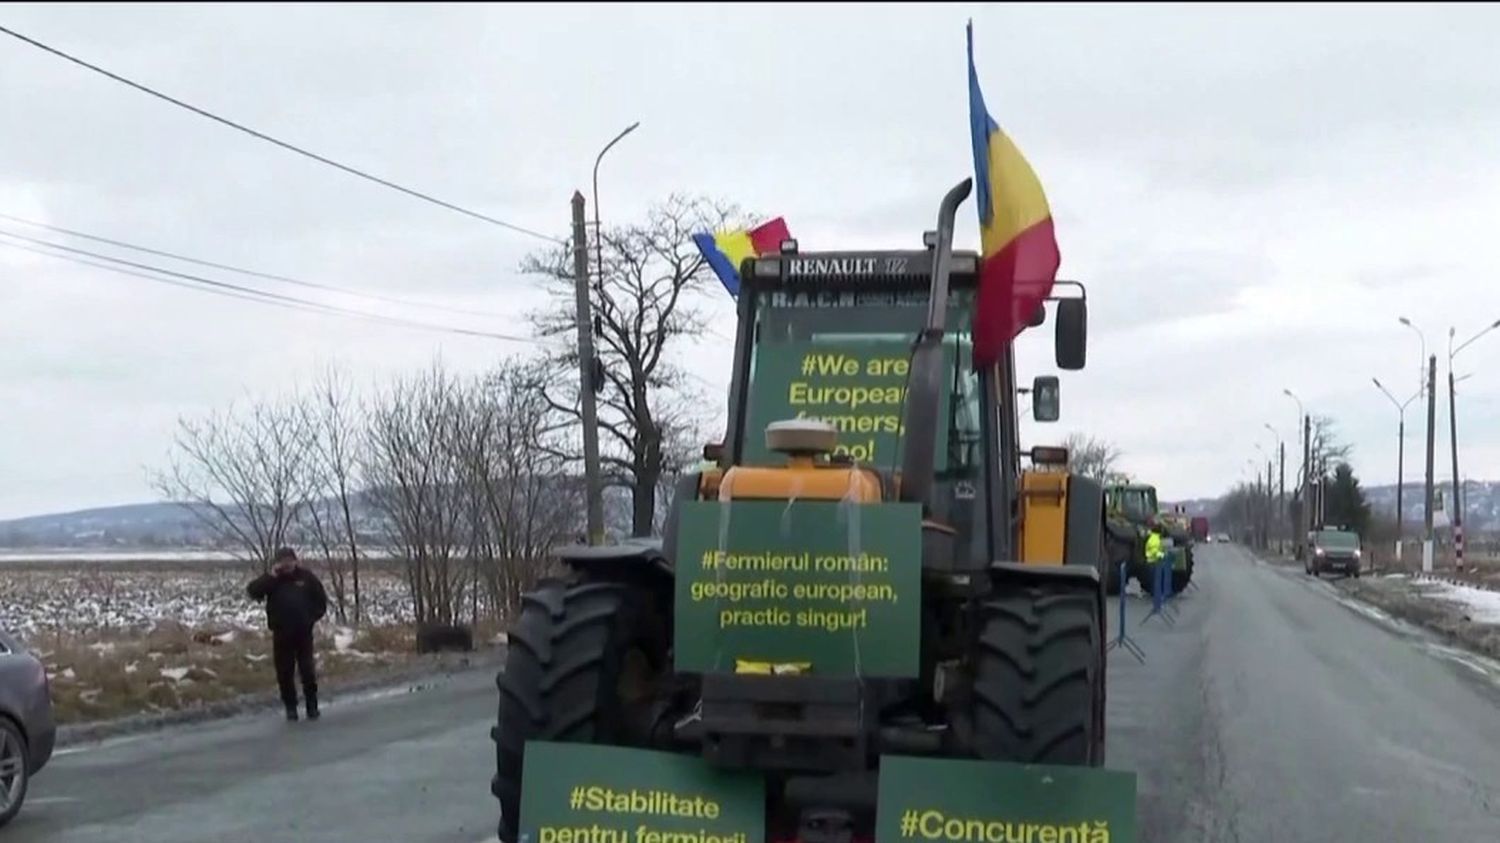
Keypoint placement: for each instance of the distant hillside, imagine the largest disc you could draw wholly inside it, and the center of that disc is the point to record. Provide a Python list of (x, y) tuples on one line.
[(151, 526), (143, 525), (1481, 504)]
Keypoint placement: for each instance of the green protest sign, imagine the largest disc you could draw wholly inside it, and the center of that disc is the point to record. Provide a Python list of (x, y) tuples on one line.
[(857, 385), (928, 800), (586, 793), (837, 586)]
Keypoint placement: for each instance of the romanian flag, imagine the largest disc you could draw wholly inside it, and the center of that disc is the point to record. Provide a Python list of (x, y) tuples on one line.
[(1018, 252), (726, 250)]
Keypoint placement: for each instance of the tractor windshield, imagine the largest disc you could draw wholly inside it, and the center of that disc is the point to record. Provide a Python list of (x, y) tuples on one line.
[(1135, 504), (842, 356)]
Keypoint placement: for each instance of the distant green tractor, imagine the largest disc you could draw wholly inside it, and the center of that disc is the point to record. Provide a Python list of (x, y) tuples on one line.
[(1178, 527), (1128, 509)]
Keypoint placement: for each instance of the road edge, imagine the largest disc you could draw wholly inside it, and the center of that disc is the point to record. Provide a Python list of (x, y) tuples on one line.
[(441, 666), (1429, 618)]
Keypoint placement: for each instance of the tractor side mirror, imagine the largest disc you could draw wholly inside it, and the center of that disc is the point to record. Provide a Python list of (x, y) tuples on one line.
[(1072, 334), (1046, 394)]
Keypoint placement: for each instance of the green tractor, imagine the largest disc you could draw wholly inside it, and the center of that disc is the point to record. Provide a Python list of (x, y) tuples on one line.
[(1006, 620), (1177, 526), (1129, 507)]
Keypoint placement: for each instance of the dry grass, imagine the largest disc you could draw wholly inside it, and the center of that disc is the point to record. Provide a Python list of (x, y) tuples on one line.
[(1401, 598), (173, 668)]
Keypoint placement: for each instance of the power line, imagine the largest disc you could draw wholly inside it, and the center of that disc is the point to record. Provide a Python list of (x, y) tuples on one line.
[(250, 272), (209, 285), (233, 291), (269, 139)]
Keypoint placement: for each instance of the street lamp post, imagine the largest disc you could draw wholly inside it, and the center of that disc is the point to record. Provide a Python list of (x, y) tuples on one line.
[(1422, 367), (1256, 504), (1268, 521), (1400, 454), (1304, 426), (1428, 386), (599, 232), (1458, 503), (1280, 487), (593, 480)]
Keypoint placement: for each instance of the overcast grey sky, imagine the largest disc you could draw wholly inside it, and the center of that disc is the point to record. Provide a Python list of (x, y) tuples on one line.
[(1253, 195)]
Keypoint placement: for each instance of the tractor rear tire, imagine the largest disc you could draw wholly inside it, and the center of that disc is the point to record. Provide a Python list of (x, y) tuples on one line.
[(1112, 581), (1038, 694), (571, 656), (1180, 580)]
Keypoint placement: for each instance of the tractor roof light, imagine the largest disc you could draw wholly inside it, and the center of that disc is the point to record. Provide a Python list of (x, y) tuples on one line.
[(1041, 455)]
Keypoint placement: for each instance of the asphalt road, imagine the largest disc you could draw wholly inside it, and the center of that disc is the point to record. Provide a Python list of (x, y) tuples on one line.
[(1274, 710), (1277, 710), (385, 767)]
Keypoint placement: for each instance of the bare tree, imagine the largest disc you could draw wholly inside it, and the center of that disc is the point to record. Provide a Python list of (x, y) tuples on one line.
[(413, 469), (1326, 449), (525, 503), (641, 309), (244, 474), (336, 436), (1094, 458)]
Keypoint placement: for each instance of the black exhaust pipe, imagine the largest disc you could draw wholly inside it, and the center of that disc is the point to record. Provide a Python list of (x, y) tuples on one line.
[(926, 375)]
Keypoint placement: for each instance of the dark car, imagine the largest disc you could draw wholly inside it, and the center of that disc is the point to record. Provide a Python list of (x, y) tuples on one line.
[(1333, 551), (27, 731)]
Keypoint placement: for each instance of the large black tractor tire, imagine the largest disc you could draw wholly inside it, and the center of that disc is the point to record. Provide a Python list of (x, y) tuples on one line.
[(579, 661), (1112, 579), (1180, 580), (1145, 576), (1038, 693)]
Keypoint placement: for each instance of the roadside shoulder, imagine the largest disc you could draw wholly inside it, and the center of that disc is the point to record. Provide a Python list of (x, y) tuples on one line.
[(1427, 602), (424, 669)]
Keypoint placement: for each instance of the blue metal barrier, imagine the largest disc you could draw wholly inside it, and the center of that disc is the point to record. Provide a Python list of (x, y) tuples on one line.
[(1123, 640)]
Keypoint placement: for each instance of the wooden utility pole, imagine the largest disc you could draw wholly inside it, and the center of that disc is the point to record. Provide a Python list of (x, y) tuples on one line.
[(585, 321), (1431, 419)]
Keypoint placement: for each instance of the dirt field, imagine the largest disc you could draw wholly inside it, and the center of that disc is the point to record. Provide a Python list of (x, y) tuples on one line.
[(140, 636)]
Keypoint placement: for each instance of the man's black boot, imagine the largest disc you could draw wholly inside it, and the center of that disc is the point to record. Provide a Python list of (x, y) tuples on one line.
[(291, 712), (312, 703)]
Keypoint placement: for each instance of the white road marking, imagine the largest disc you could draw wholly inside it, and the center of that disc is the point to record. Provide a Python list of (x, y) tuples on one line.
[(52, 800)]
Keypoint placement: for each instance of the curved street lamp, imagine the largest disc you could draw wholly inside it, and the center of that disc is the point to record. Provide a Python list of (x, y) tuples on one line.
[(1421, 364), (1302, 439), (1458, 500), (1400, 453), (599, 232)]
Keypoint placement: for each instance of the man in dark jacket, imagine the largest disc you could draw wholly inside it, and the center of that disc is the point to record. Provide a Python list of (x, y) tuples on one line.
[(295, 601)]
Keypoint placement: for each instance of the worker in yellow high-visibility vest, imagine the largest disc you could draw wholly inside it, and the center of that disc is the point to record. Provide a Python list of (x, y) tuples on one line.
[(1154, 552)]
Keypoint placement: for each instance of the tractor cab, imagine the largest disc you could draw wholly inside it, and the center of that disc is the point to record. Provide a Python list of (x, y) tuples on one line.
[(829, 340), (1135, 503)]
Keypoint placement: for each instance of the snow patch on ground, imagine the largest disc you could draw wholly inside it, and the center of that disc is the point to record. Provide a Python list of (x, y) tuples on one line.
[(79, 599), (176, 674), (1480, 605), (343, 638)]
